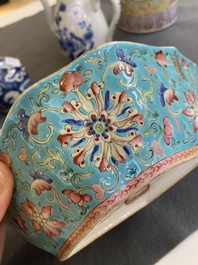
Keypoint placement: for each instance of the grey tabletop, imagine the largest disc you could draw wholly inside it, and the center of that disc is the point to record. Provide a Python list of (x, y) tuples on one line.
[(151, 233)]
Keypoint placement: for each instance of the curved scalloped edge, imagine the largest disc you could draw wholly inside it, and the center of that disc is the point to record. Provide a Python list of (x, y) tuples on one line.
[(129, 190)]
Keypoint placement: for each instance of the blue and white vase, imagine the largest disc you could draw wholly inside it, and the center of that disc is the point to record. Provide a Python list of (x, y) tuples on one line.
[(80, 25)]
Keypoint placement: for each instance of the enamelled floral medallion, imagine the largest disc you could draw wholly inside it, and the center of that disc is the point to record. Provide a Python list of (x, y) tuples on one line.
[(102, 126), (80, 140)]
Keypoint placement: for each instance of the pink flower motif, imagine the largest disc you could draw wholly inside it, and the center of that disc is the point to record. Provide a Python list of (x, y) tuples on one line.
[(160, 57), (42, 220), (184, 64), (99, 192), (195, 124), (188, 112), (40, 185), (167, 130), (170, 96), (21, 223), (34, 120), (167, 95), (122, 66), (70, 81), (102, 128), (158, 151), (41, 181), (192, 110), (76, 198), (5, 158), (150, 70), (191, 99), (29, 124), (124, 63), (23, 155)]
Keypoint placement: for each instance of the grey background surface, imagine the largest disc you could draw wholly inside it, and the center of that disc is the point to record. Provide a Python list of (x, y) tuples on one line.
[(152, 232)]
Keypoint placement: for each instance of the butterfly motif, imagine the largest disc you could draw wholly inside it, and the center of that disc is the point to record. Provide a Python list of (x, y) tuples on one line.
[(125, 58)]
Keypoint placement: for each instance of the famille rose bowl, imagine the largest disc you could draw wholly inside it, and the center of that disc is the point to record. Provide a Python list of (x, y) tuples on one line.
[(98, 140)]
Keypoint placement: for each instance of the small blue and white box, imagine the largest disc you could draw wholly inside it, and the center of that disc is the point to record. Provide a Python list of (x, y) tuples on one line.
[(14, 79)]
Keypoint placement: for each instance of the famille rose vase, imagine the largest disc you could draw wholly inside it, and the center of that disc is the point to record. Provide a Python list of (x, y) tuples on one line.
[(142, 16), (97, 140)]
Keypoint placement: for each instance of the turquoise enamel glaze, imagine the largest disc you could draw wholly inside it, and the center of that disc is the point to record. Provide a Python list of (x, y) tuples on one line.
[(92, 135)]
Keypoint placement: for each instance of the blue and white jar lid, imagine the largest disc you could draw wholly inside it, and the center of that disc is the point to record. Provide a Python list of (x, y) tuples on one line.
[(14, 79)]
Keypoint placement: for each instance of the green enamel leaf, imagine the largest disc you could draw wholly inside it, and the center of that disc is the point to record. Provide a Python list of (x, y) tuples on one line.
[(105, 56), (88, 72), (156, 114), (34, 154), (57, 156), (7, 150), (148, 79), (148, 94), (68, 171), (83, 175), (34, 103), (87, 80), (153, 115), (94, 60), (50, 152), (147, 131), (79, 68), (97, 61), (47, 162), (55, 90), (44, 90)]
